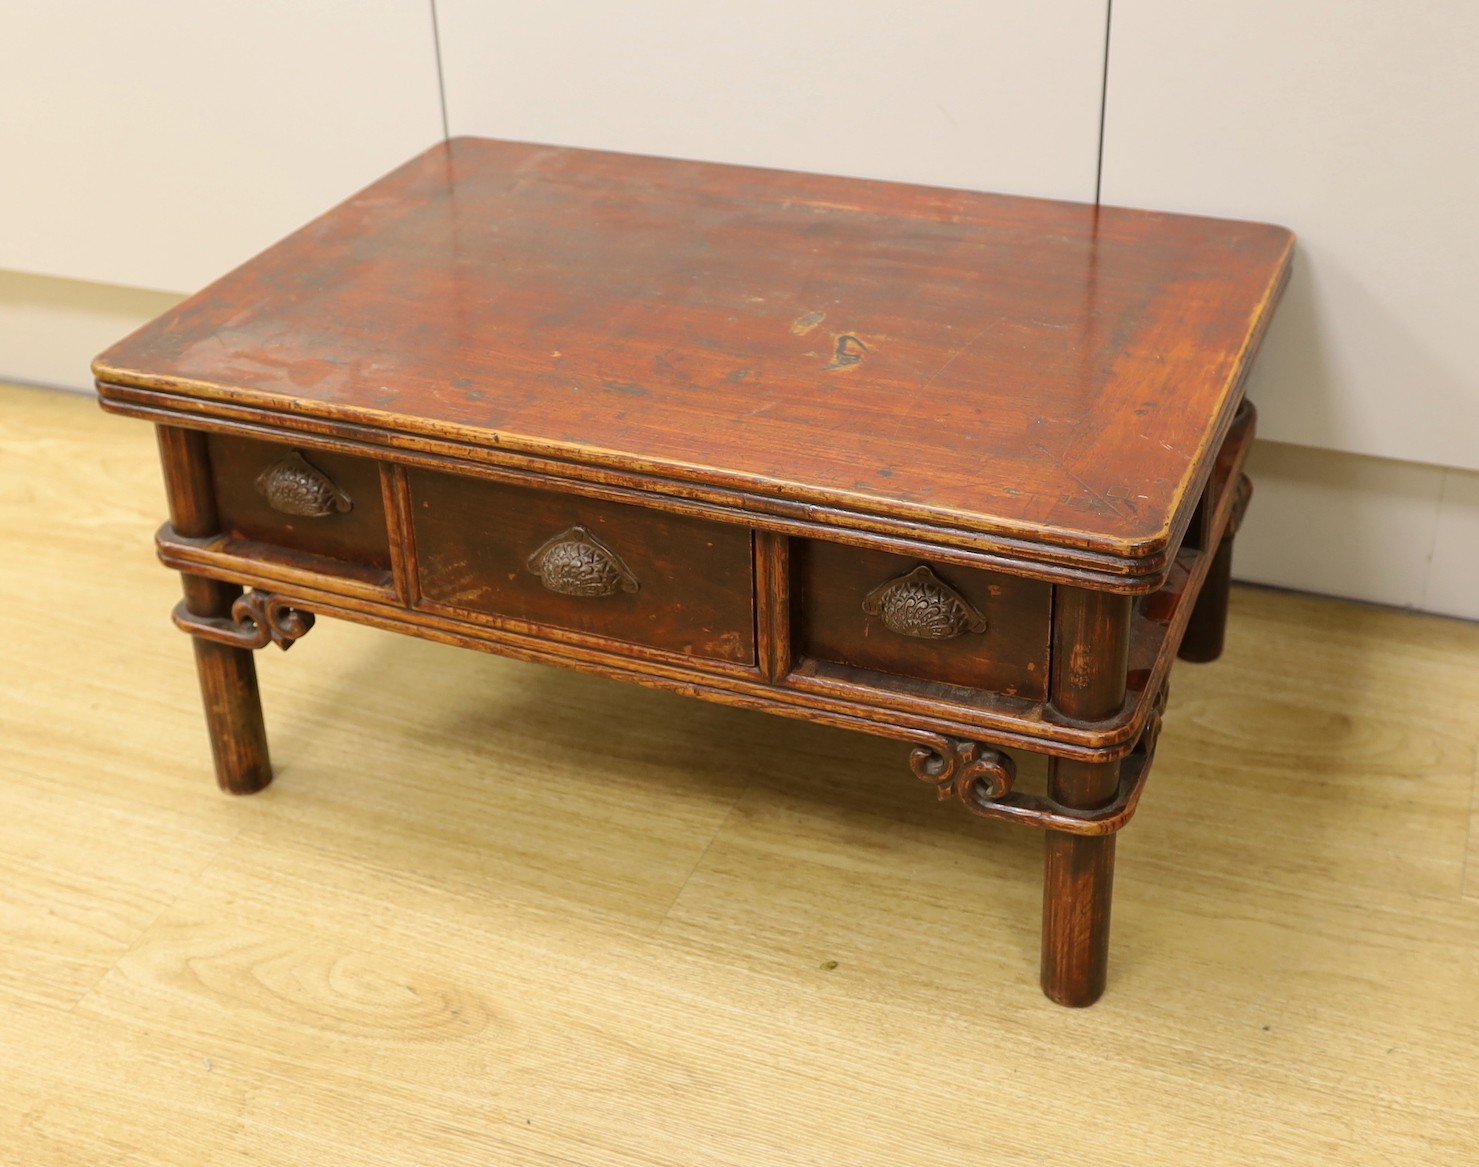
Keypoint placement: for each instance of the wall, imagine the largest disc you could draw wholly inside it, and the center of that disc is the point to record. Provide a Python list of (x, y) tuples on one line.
[(1355, 124), (159, 143), (1351, 123)]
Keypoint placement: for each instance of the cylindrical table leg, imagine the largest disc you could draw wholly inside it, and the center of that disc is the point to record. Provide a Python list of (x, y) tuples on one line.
[(1090, 658), (1078, 885), (1207, 629), (228, 676), (228, 689)]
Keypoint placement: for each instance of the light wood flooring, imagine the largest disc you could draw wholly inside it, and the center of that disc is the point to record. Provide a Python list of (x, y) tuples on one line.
[(493, 913)]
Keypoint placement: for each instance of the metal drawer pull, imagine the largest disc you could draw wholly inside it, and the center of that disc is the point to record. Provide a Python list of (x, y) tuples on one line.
[(292, 486), (576, 563), (923, 605)]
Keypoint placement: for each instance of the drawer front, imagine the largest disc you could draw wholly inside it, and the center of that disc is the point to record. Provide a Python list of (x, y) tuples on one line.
[(304, 500), (891, 614), (606, 569)]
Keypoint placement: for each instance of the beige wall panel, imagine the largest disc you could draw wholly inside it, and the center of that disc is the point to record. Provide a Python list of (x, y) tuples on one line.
[(1355, 124), (1453, 577), (984, 94), (158, 144), (51, 329), (1339, 524)]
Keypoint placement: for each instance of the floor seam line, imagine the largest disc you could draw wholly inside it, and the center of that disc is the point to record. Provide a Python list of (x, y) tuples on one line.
[(699, 862), (159, 915)]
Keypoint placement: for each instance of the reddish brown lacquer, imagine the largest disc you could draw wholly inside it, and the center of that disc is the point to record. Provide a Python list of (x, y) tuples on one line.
[(959, 469), (858, 344)]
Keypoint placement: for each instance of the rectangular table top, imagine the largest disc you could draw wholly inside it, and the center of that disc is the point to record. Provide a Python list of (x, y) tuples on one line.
[(1024, 371)]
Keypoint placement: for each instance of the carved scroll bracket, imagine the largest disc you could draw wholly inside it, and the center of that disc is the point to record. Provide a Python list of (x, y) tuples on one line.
[(1242, 496), (1151, 734), (964, 769), (257, 620), (981, 778)]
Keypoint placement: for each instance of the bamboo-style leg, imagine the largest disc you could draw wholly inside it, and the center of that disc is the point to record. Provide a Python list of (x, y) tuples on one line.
[(1090, 644), (228, 676), (1207, 629), (1078, 888)]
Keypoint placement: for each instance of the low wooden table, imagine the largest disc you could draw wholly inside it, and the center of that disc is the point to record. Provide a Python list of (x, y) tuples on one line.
[(958, 469)]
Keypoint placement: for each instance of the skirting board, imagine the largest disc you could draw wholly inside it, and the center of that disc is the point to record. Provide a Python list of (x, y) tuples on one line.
[(1374, 529), (1325, 521), (50, 329)]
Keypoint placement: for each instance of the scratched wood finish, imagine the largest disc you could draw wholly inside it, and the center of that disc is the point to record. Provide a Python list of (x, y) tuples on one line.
[(358, 535), (1009, 657), (382, 962), (692, 581), (856, 344)]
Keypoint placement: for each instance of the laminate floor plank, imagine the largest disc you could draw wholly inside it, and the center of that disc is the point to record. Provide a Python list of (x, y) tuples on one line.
[(1345, 753), (80, 1090), (1471, 859), (498, 913), (82, 880), (525, 778)]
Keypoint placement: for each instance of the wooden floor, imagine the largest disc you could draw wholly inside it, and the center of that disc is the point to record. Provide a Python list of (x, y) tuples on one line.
[(494, 913)]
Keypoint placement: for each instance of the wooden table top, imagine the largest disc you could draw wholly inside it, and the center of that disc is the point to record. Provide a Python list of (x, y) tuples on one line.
[(1017, 369)]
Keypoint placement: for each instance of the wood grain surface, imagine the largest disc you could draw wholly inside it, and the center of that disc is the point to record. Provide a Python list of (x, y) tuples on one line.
[(497, 913), (1040, 370)]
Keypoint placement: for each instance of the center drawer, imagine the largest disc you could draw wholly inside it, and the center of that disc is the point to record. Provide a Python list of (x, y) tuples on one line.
[(606, 569)]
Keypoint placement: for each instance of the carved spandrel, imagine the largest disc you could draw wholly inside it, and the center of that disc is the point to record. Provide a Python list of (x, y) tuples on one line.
[(576, 563), (1151, 735), (982, 779), (922, 605), (257, 620), (294, 486), (964, 769), (1241, 498)]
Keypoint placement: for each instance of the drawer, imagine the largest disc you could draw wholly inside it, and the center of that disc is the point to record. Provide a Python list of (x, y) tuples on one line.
[(891, 614), (304, 500), (606, 569)]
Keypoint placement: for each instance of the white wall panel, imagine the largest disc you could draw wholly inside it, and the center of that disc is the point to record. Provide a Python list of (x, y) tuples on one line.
[(1357, 125), (160, 143), (982, 94)]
